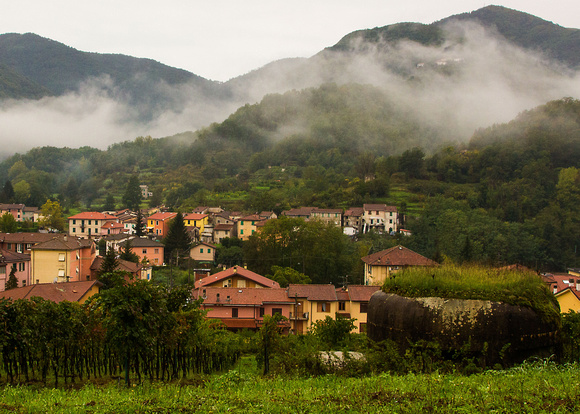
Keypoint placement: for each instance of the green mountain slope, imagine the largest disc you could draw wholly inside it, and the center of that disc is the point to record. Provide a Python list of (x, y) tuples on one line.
[(15, 86)]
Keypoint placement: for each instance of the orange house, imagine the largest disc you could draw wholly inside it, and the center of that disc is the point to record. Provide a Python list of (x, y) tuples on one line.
[(158, 223), (149, 250)]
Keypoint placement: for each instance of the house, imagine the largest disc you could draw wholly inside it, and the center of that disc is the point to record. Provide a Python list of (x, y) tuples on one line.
[(112, 227), (381, 265), (145, 193), (222, 231), (149, 251), (89, 224), (353, 221), (247, 226), (21, 261), (158, 223), (328, 215), (312, 303), (57, 292), (359, 297), (113, 241), (62, 259), (236, 277), (267, 215), (30, 214), (380, 218), (203, 252), (302, 212), (137, 270), (23, 242), (245, 308), (222, 218), (566, 288), (16, 210), (196, 220)]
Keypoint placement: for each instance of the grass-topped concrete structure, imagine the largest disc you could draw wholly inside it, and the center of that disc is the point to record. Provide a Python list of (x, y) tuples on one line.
[(490, 315)]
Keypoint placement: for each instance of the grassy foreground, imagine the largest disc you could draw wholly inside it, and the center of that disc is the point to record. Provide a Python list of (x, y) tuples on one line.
[(540, 387)]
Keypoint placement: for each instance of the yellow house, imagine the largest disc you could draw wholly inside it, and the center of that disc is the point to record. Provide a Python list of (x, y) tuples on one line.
[(196, 220), (569, 300), (247, 226), (312, 303), (381, 265), (358, 300), (62, 259)]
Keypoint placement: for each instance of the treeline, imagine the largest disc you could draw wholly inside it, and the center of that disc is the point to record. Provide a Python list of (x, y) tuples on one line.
[(139, 331)]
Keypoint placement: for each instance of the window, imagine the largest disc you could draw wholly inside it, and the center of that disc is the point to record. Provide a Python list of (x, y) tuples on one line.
[(156, 251), (341, 306), (19, 247), (74, 229), (60, 273), (362, 328), (262, 312), (23, 283), (61, 257), (156, 261), (89, 222), (74, 222), (323, 306), (201, 250), (2, 270), (209, 250), (144, 251), (242, 222), (363, 307), (234, 312), (276, 311), (242, 231)]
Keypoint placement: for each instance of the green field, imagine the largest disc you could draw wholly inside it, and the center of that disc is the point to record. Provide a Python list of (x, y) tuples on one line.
[(540, 387)]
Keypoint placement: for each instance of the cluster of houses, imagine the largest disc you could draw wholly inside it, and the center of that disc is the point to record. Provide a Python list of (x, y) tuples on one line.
[(20, 212)]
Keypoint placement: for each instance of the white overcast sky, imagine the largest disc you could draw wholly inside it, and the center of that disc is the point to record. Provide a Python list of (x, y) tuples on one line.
[(222, 39)]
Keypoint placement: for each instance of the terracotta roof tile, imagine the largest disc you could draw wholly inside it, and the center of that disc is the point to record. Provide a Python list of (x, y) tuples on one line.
[(397, 256), (239, 271), (63, 243), (313, 292), (92, 215), (56, 292), (242, 296), (362, 293)]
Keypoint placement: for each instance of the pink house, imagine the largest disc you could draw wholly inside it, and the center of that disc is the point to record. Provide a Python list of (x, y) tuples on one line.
[(22, 263), (245, 308)]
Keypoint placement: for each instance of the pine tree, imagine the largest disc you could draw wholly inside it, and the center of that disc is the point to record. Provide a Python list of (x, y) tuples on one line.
[(110, 262), (178, 240), (132, 196), (12, 281), (127, 254), (7, 194), (140, 226)]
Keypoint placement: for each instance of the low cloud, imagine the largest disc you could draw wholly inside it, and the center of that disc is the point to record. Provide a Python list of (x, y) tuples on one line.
[(474, 80)]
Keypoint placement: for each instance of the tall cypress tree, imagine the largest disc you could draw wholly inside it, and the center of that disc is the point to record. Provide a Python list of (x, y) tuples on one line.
[(177, 240), (132, 196), (12, 281), (140, 226)]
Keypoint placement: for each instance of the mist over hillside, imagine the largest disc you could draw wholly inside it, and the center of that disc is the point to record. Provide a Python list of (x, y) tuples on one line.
[(457, 75)]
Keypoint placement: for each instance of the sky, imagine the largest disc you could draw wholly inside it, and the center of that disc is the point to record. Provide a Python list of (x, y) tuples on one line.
[(222, 39)]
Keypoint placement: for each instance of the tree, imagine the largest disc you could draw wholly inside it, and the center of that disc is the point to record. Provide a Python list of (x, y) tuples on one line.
[(110, 262), (177, 240), (127, 254), (7, 194), (411, 162), (8, 223), (21, 191), (12, 281), (132, 196), (52, 217), (286, 275), (109, 202), (333, 333), (140, 224)]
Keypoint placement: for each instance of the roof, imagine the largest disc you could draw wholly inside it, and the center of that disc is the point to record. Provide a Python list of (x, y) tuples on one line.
[(313, 292), (92, 215), (327, 210), (223, 227), (7, 256), (204, 244), (112, 225), (242, 296), (237, 271), (195, 216), (142, 242), (562, 281), (354, 211), (361, 293), (161, 216), (11, 206), (254, 217), (378, 207), (29, 238), (124, 265), (63, 243), (397, 256), (56, 292), (299, 212)]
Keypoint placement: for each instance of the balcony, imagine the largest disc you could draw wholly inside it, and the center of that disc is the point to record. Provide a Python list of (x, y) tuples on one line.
[(300, 317)]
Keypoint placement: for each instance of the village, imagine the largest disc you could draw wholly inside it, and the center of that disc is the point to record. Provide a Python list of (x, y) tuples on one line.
[(66, 266)]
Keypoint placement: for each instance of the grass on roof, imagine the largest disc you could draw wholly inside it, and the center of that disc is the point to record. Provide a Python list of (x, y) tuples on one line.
[(515, 287)]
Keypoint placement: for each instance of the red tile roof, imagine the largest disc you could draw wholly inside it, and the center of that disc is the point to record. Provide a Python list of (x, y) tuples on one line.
[(161, 216), (92, 215), (354, 211), (7, 256), (242, 296), (56, 292), (30, 238), (63, 243), (238, 271), (378, 207), (124, 265), (195, 216), (397, 256), (361, 293), (313, 292)]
